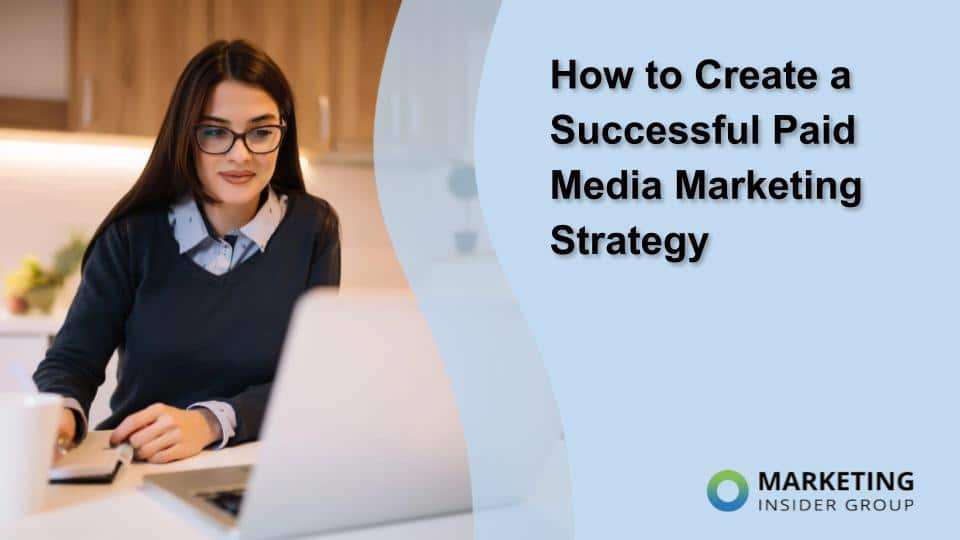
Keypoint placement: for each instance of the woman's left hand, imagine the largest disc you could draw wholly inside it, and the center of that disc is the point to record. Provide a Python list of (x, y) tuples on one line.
[(161, 433)]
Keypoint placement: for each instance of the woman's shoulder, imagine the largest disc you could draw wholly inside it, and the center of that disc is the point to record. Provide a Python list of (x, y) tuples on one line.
[(124, 235), (120, 241), (317, 210), (136, 224)]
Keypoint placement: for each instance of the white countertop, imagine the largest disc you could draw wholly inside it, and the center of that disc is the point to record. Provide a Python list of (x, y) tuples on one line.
[(130, 478), (122, 510), (46, 325)]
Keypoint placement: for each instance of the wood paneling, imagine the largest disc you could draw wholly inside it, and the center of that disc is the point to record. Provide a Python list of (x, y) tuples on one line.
[(332, 51), (297, 35), (360, 39), (126, 57), (27, 113)]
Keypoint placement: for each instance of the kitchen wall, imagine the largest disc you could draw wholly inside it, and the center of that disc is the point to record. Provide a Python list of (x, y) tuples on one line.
[(52, 184), (34, 33)]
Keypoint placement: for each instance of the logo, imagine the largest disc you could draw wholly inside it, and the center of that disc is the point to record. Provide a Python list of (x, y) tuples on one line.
[(713, 487), (812, 491)]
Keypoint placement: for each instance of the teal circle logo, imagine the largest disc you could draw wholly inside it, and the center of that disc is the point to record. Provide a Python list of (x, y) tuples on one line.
[(714, 484)]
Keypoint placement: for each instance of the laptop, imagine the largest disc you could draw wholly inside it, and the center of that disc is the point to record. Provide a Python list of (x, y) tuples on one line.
[(361, 429)]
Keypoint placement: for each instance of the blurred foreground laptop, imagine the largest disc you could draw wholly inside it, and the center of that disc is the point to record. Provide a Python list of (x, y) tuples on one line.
[(362, 429)]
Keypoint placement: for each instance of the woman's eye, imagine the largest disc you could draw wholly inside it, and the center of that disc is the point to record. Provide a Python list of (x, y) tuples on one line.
[(262, 133), (213, 132)]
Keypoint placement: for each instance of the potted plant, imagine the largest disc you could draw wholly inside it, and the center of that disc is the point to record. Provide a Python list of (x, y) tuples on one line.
[(33, 287)]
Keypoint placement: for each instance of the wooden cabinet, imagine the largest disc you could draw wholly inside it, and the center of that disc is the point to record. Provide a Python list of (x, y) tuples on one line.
[(127, 55), (360, 37), (297, 35), (332, 51)]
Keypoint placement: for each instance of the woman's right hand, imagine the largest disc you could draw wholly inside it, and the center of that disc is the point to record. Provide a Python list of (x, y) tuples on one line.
[(66, 431)]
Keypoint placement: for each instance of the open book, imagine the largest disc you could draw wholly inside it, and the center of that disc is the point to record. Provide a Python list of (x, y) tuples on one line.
[(93, 461)]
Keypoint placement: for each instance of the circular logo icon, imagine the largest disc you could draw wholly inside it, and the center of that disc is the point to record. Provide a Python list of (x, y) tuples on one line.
[(714, 484)]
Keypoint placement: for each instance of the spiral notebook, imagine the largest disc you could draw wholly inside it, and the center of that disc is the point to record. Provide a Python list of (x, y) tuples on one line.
[(94, 461)]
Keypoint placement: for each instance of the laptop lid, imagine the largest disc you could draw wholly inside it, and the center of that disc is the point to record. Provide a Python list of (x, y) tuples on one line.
[(362, 428)]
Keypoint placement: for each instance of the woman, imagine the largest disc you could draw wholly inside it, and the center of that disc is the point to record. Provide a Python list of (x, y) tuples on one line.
[(194, 272)]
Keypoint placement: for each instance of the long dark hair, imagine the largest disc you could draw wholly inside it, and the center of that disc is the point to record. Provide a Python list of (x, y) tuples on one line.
[(171, 171)]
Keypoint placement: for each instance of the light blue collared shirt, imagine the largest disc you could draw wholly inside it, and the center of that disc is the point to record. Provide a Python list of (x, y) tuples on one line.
[(220, 255), (217, 255)]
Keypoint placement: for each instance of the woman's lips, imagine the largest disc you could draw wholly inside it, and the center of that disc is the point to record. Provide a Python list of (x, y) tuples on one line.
[(237, 177)]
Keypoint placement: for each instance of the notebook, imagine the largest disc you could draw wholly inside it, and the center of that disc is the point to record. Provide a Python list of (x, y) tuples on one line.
[(94, 461)]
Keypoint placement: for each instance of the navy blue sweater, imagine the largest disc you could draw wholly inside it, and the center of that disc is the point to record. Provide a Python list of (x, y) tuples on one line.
[(185, 335)]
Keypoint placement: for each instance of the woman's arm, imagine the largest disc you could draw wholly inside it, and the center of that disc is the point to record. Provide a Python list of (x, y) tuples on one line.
[(74, 364)]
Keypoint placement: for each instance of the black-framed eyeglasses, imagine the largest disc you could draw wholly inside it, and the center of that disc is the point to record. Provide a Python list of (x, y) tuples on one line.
[(213, 139)]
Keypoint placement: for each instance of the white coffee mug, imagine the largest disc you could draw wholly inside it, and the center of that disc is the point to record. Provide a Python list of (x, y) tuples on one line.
[(28, 431)]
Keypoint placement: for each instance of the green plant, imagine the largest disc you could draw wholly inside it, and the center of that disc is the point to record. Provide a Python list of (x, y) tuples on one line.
[(67, 258), (31, 285)]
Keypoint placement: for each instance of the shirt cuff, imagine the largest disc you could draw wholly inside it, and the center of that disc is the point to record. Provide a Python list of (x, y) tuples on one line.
[(226, 417), (81, 419)]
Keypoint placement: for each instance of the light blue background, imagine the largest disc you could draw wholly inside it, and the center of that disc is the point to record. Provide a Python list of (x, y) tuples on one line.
[(811, 337)]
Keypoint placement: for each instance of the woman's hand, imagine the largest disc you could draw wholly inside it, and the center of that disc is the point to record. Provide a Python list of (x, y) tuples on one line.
[(66, 431), (161, 433)]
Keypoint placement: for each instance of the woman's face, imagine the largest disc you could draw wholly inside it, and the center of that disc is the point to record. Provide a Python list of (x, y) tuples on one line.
[(238, 176)]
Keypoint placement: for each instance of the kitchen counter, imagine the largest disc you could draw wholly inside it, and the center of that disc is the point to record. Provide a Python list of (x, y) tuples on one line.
[(30, 325)]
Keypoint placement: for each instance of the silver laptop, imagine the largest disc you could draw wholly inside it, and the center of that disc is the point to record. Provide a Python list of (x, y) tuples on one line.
[(362, 429)]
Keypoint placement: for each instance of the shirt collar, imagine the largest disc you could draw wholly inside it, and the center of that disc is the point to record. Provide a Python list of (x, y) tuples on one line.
[(265, 222), (189, 227)]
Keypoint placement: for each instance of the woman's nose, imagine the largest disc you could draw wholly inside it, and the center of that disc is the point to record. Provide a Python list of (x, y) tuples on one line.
[(239, 151)]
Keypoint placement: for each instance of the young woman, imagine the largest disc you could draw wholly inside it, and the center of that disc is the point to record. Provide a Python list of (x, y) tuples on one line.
[(194, 272)]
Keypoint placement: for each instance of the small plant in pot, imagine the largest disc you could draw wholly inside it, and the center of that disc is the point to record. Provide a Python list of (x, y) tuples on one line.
[(31, 287)]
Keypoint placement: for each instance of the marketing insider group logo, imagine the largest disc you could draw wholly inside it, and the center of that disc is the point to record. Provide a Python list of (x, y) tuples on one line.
[(875, 491), (713, 491)]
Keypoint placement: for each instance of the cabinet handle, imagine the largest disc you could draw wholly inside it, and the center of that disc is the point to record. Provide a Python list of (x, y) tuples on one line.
[(323, 117), (86, 103)]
